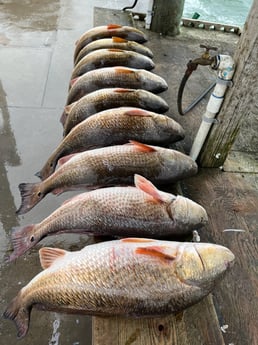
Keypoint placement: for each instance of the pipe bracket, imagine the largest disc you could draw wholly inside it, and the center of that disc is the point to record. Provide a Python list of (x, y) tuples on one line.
[(210, 120), (221, 81)]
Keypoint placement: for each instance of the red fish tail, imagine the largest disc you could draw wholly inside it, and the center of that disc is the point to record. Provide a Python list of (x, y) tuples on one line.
[(20, 314), (23, 238), (31, 195)]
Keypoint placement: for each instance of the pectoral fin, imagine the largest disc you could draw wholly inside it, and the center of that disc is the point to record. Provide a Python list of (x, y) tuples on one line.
[(48, 256)]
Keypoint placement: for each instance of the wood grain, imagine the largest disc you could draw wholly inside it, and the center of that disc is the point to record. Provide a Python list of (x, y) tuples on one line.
[(232, 203)]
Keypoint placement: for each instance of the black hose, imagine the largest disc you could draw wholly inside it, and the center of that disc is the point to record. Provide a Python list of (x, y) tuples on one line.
[(190, 68), (130, 7)]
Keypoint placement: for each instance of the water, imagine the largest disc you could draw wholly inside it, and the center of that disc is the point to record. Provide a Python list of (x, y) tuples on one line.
[(233, 12)]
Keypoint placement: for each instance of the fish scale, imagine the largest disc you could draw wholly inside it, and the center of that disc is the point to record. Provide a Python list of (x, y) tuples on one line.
[(122, 77), (108, 166), (107, 98), (111, 57), (129, 277)]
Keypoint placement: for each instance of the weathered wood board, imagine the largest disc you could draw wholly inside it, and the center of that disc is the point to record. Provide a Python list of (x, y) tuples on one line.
[(232, 203)]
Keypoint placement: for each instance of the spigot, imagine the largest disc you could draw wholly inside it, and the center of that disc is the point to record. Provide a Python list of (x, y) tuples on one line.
[(205, 59)]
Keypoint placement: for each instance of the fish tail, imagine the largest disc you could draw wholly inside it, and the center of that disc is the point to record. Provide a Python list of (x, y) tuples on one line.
[(20, 314), (31, 195), (23, 238)]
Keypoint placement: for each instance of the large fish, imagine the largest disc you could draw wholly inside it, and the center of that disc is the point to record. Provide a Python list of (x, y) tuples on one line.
[(141, 211), (107, 98), (109, 58), (106, 31), (131, 277), (114, 42), (110, 77), (110, 166), (115, 126)]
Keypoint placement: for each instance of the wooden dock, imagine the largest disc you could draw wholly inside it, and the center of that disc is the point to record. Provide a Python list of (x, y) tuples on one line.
[(229, 315)]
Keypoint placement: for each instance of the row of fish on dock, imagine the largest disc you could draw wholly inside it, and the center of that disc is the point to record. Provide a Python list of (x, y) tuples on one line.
[(116, 146)]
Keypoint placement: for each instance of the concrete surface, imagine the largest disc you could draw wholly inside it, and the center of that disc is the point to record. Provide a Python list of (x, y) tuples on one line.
[(37, 40)]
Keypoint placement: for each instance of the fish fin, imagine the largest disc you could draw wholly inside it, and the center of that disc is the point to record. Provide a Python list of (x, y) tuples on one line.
[(49, 255), (73, 81), (113, 26), (31, 195), (22, 239), (136, 240), (142, 147), (65, 159), (138, 112), (65, 113), (124, 70), (115, 50), (19, 314), (123, 90), (118, 39), (155, 251), (146, 186)]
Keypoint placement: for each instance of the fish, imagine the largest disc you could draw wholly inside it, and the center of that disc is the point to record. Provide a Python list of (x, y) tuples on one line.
[(114, 42), (108, 98), (111, 57), (130, 277), (115, 126), (106, 31), (133, 211), (109, 166), (115, 77)]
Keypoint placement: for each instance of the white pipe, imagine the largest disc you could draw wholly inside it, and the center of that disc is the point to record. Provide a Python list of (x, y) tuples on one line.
[(149, 13), (226, 70)]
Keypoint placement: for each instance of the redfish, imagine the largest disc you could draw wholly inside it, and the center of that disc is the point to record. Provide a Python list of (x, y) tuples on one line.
[(109, 166), (141, 211), (131, 277), (115, 43), (108, 98), (115, 77), (109, 58), (115, 126), (106, 31)]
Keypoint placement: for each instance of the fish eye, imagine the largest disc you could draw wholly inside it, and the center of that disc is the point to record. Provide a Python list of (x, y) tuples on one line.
[(32, 239)]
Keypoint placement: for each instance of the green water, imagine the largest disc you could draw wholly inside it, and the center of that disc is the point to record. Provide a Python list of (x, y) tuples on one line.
[(232, 12)]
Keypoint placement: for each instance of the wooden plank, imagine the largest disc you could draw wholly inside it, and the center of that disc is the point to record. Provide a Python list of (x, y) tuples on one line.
[(240, 100), (195, 326), (238, 161), (232, 203)]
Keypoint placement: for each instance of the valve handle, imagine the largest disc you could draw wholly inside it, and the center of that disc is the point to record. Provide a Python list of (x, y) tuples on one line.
[(208, 48)]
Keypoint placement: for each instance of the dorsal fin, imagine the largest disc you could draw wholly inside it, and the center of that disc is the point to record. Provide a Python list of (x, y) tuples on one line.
[(146, 186), (136, 240), (65, 159), (138, 112), (119, 39), (113, 26), (49, 255), (124, 70), (115, 50), (156, 251), (121, 90), (142, 147)]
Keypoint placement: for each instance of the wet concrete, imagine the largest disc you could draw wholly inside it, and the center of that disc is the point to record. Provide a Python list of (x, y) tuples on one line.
[(36, 52)]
